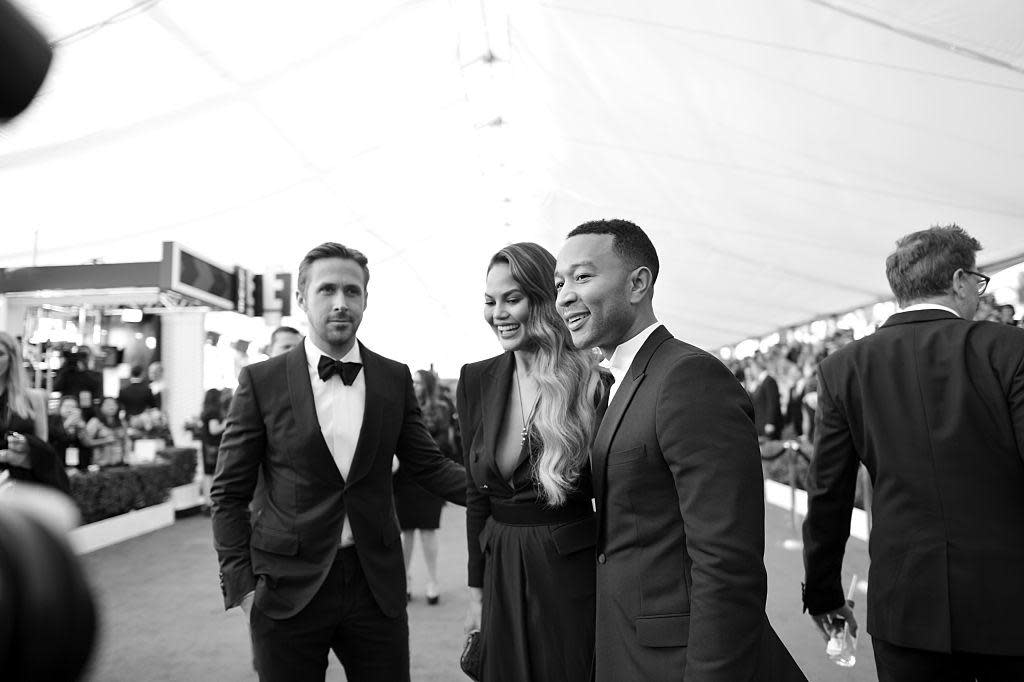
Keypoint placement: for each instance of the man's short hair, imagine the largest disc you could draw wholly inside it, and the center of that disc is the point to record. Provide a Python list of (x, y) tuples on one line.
[(331, 250), (924, 262), (136, 371), (283, 330), (629, 241)]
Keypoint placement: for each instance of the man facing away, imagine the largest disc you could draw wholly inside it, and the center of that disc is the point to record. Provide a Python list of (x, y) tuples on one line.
[(320, 567), (681, 582), (933, 405)]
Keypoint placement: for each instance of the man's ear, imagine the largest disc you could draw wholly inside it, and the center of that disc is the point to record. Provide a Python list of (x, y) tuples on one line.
[(960, 284), (300, 300), (641, 282)]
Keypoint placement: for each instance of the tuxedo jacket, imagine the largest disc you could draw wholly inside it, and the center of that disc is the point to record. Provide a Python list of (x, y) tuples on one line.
[(285, 548), (681, 583), (933, 405), (482, 399)]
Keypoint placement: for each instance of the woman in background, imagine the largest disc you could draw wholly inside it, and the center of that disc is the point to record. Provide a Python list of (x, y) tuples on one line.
[(24, 451), (107, 434), (66, 429), (212, 424), (417, 509), (529, 417)]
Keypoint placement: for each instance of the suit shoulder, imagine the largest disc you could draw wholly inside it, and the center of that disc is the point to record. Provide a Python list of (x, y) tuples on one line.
[(678, 357), (1002, 340), (997, 330), (265, 368), (388, 364), (474, 369)]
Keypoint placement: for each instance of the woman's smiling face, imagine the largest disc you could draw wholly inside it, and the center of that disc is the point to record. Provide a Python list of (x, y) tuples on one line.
[(506, 309)]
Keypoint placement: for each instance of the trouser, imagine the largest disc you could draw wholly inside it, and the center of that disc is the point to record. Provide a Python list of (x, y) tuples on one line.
[(903, 664), (343, 617)]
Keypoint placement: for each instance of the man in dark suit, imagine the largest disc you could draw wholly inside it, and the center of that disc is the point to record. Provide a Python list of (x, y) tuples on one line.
[(136, 397), (681, 582), (766, 401), (933, 405), (320, 566)]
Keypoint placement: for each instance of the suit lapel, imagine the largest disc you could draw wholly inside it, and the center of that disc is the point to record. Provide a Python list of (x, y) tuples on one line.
[(618, 406), (369, 433), (493, 396), (307, 425)]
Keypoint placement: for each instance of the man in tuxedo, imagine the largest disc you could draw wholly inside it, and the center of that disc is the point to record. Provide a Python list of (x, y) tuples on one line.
[(681, 582), (319, 567), (933, 405)]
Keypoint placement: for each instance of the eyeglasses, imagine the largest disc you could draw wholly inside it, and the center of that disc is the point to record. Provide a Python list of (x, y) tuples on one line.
[(983, 280)]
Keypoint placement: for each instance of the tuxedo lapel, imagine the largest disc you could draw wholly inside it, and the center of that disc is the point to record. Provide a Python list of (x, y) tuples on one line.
[(369, 433), (493, 397), (307, 425), (618, 406)]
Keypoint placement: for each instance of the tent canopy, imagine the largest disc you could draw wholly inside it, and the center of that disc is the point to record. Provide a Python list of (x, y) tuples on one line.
[(773, 151)]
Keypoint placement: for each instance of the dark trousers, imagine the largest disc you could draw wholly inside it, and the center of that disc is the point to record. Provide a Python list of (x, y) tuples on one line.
[(903, 664), (343, 617)]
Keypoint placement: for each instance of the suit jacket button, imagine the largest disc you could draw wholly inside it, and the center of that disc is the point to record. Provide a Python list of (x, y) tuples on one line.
[(601, 558), (485, 486)]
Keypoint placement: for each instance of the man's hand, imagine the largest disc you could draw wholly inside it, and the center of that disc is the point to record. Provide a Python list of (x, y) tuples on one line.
[(826, 624), (474, 610), (246, 604)]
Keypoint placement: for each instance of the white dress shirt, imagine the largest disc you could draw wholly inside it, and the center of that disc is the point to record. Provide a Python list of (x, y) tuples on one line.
[(623, 356), (928, 306), (339, 411)]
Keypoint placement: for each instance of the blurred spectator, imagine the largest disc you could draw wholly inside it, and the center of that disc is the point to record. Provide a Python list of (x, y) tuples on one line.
[(1005, 314), (106, 434), (66, 429), (764, 394), (151, 424), (156, 382), (136, 397), (418, 509), (76, 378), (212, 423), (24, 449), (454, 428), (791, 385), (283, 340)]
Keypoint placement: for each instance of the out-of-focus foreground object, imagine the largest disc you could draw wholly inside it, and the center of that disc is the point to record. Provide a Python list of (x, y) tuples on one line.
[(24, 60)]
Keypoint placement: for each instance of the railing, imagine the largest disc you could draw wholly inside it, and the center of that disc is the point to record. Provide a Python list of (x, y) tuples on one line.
[(794, 450)]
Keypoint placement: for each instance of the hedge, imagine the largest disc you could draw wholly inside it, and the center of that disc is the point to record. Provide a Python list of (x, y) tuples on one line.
[(118, 490)]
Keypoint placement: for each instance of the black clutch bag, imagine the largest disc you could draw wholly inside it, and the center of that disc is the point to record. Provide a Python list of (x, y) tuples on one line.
[(470, 659)]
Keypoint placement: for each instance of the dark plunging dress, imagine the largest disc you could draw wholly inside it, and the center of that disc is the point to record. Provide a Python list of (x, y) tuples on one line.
[(535, 564)]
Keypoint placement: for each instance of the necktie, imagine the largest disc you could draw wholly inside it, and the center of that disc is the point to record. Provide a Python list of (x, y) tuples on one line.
[(328, 367)]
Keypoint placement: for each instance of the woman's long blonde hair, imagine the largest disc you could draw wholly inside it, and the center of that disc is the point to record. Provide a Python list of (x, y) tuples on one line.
[(568, 380), (15, 383)]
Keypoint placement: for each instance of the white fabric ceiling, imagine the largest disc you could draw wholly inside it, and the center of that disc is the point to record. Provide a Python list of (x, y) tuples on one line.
[(774, 151)]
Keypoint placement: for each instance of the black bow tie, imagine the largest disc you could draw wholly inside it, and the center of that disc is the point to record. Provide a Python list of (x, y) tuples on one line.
[(328, 367)]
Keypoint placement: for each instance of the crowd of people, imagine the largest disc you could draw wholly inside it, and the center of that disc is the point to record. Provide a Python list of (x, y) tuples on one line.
[(84, 429), (782, 380), (615, 520)]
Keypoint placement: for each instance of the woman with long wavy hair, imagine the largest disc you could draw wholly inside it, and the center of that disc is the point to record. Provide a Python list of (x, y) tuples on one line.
[(24, 452), (528, 418)]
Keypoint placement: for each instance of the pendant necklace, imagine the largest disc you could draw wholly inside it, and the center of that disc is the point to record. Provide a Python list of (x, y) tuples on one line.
[(527, 419)]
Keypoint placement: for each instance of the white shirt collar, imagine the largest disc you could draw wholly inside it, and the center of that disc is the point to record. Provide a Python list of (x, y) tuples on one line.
[(624, 353), (928, 306), (313, 353)]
